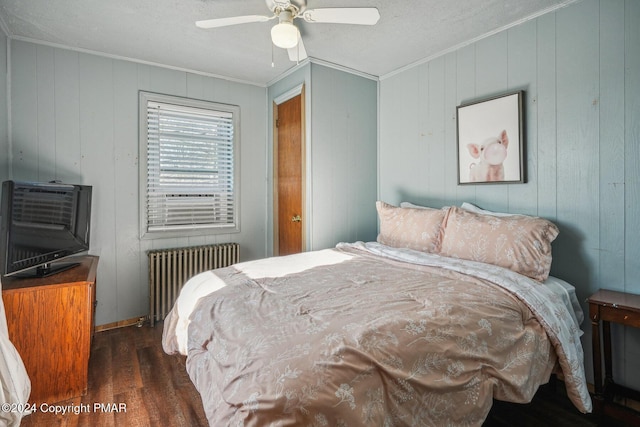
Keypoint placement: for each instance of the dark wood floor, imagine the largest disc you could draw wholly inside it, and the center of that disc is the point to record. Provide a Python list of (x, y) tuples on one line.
[(128, 368)]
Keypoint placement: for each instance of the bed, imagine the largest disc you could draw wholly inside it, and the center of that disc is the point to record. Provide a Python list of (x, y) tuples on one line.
[(446, 311)]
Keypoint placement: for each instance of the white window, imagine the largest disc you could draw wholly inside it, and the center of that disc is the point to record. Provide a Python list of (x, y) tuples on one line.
[(189, 166)]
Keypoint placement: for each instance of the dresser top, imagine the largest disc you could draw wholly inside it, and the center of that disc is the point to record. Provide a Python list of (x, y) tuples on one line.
[(84, 272), (615, 299)]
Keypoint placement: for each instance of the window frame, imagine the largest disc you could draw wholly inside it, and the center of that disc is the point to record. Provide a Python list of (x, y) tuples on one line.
[(143, 142)]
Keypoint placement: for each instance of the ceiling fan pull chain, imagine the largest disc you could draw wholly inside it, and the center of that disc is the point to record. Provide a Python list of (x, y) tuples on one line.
[(272, 63)]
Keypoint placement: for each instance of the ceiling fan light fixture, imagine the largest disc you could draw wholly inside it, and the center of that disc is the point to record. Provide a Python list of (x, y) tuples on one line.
[(284, 35)]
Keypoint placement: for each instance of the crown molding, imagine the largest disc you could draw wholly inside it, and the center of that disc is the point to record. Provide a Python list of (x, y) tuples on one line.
[(138, 61), (476, 39)]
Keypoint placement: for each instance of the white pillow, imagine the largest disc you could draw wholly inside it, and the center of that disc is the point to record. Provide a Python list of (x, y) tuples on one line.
[(412, 206), (473, 208)]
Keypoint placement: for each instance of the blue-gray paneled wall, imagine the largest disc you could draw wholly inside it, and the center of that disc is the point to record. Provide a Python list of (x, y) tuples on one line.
[(341, 150), (580, 69), (74, 118), (344, 151), (4, 109)]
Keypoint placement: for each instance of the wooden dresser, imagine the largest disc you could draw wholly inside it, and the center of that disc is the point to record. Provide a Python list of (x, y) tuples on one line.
[(51, 323)]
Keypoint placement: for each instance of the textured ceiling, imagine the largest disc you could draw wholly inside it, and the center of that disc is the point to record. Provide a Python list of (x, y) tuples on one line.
[(163, 31)]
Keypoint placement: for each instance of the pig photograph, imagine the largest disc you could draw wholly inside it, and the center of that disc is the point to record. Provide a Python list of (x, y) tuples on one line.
[(491, 155), (490, 148)]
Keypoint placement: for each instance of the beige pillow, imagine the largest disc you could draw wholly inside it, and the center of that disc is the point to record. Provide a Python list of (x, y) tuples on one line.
[(520, 243), (414, 228)]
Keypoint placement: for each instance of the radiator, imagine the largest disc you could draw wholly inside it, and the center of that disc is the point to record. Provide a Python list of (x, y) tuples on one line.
[(169, 269)]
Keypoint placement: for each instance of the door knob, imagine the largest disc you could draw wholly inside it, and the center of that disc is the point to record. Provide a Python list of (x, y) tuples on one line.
[(296, 218)]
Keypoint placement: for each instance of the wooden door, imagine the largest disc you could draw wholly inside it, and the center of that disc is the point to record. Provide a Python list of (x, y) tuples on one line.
[(289, 177)]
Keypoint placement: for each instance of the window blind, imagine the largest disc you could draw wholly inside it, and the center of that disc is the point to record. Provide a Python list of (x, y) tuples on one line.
[(190, 168)]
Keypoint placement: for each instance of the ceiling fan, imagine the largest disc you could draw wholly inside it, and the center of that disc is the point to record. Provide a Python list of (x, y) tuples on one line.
[(285, 34)]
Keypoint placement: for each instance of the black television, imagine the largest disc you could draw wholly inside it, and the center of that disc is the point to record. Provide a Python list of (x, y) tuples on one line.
[(42, 222)]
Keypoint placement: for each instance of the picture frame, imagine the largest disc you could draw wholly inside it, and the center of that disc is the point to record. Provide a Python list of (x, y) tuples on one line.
[(490, 140)]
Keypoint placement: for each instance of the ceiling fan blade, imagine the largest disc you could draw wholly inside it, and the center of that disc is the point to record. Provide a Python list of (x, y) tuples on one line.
[(343, 15), (234, 20), (298, 52)]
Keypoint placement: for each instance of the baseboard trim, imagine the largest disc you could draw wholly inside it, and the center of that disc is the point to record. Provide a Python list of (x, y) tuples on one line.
[(138, 321)]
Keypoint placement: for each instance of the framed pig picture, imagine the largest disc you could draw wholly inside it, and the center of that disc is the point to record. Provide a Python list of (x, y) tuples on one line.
[(490, 140)]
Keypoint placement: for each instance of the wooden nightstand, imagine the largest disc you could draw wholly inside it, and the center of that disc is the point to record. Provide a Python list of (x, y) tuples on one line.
[(606, 307)]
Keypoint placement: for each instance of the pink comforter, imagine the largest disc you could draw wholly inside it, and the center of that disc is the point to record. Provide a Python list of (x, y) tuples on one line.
[(367, 341)]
